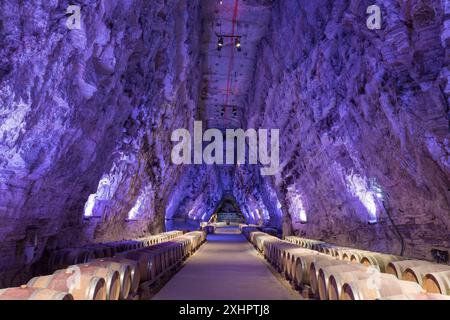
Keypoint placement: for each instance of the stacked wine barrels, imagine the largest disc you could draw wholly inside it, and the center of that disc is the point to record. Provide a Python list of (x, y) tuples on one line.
[(109, 271), (71, 256), (157, 260), (29, 293), (341, 273), (434, 278), (80, 286)]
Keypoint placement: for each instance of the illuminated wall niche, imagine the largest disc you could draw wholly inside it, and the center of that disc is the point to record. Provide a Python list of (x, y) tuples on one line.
[(296, 206), (139, 206), (367, 191), (107, 186)]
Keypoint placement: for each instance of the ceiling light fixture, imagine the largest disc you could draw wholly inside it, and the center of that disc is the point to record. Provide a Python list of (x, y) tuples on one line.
[(238, 45), (220, 43)]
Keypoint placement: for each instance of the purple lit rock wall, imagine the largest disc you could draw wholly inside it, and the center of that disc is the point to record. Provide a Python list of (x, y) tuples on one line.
[(86, 118), (90, 105), (363, 117)]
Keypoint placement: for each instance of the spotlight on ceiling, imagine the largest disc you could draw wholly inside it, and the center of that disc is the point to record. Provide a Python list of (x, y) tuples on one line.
[(220, 2), (220, 43), (238, 45)]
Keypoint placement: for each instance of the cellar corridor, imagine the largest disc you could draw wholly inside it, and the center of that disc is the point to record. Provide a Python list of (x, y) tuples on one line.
[(224, 149), (227, 267)]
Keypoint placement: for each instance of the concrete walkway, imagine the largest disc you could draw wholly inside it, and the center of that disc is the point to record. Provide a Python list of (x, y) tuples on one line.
[(226, 267)]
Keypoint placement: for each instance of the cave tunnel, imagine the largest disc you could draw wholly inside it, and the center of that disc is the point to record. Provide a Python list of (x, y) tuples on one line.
[(296, 145)]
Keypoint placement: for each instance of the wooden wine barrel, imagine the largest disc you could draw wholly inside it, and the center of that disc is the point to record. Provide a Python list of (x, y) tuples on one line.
[(338, 279), (325, 272), (112, 277), (332, 251), (417, 274), (280, 254), (353, 255), (418, 296), (387, 285), (437, 282), (357, 255), (124, 270), (303, 264), (80, 286), (322, 247), (147, 262), (270, 251), (158, 259), (269, 248), (294, 260), (185, 247), (259, 242), (379, 260), (26, 293), (340, 251), (347, 254), (288, 258), (314, 272), (398, 267)]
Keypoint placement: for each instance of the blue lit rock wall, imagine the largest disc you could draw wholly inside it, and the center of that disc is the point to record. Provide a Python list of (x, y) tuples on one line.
[(363, 116), (90, 105)]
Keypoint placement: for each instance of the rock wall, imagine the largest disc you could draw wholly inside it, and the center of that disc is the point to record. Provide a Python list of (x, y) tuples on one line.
[(90, 105), (364, 121)]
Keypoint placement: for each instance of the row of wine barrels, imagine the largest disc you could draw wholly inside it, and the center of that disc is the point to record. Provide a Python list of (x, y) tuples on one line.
[(155, 260), (433, 277), (302, 266), (289, 258), (159, 238), (350, 273), (418, 296), (92, 273), (257, 238), (378, 260), (66, 257), (360, 274), (145, 261), (196, 238), (259, 241), (418, 273), (378, 286), (398, 267), (111, 277), (315, 277), (63, 258), (127, 271), (80, 286), (27, 293), (325, 271)]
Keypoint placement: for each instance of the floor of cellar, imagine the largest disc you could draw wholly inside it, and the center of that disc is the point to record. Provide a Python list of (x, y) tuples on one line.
[(227, 267)]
